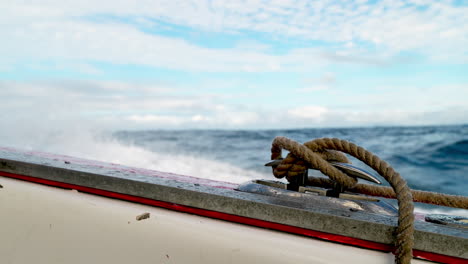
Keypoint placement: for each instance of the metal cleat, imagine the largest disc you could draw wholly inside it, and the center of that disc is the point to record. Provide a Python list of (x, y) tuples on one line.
[(347, 168)]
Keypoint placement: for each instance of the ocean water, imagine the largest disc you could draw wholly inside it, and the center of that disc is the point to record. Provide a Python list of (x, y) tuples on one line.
[(431, 158)]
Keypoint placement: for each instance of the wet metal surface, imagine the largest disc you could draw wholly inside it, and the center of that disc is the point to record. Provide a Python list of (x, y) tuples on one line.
[(315, 196)]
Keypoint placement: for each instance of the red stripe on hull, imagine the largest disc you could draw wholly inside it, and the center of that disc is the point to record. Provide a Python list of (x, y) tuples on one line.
[(240, 219)]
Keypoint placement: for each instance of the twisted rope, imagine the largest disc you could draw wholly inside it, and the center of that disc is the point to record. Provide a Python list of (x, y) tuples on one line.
[(314, 155), (455, 201)]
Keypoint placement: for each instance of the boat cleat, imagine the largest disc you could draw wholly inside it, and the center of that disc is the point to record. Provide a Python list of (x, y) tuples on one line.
[(299, 183), (347, 168), (355, 172)]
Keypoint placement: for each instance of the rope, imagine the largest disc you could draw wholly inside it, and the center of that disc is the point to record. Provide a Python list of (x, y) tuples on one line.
[(454, 201), (314, 154)]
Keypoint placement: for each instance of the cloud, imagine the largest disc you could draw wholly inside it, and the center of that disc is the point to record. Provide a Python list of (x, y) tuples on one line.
[(85, 31), (310, 113), (416, 98), (123, 44), (69, 98), (118, 104), (156, 119), (124, 105), (325, 82)]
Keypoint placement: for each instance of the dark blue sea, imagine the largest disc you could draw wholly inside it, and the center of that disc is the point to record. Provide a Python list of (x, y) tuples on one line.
[(432, 158)]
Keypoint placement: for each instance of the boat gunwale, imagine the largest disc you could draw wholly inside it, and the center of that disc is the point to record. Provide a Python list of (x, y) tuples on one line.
[(225, 203)]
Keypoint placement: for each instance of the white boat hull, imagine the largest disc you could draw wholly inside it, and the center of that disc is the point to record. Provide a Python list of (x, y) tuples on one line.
[(42, 224)]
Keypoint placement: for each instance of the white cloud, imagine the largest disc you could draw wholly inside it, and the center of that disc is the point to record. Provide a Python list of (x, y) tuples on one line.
[(117, 104), (314, 88), (238, 118), (92, 31), (123, 44), (325, 82), (156, 119), (135, 106), (314, 113), (421, 98), (200, 118)]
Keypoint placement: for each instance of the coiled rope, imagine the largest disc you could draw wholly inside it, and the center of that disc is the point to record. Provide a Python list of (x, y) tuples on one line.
[(314, 154), (317, 154), (292, 167)]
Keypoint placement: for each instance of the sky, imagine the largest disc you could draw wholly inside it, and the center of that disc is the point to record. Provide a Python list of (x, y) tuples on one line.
[(234, 64)]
